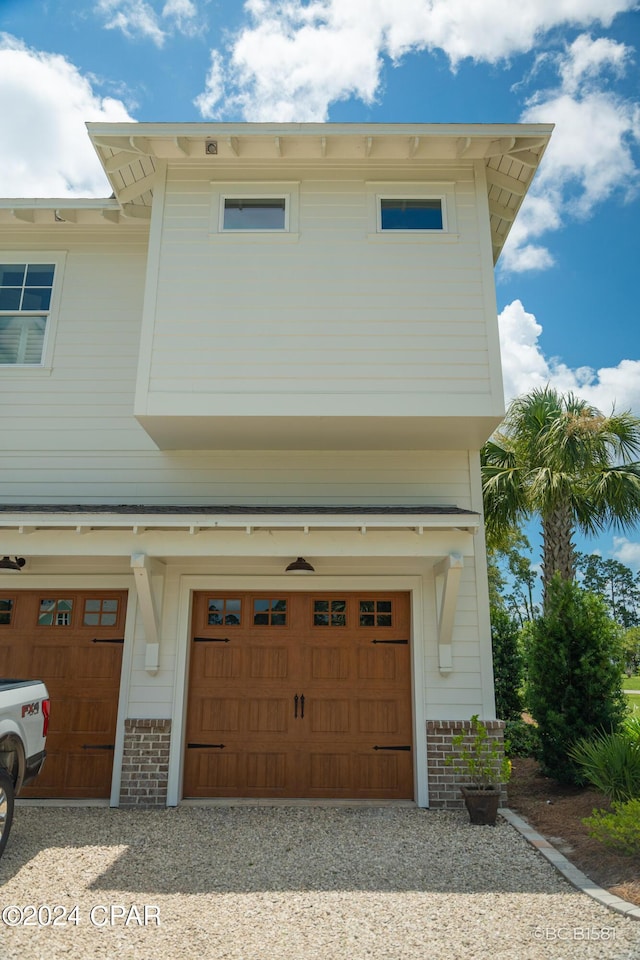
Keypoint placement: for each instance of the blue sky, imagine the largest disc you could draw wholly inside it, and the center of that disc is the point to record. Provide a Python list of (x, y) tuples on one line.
[(567, 281)]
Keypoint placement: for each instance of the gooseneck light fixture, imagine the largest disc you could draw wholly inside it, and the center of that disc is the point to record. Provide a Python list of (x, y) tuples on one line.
[(300, 566), (16, 564)]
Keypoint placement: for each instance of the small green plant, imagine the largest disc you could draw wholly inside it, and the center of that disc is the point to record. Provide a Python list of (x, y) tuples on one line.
[(619, 829), (631, 729), (611, 763), (479, 758)]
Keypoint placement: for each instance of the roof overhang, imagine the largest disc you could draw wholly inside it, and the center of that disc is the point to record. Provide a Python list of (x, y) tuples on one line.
[(193, 520), (130, 152)]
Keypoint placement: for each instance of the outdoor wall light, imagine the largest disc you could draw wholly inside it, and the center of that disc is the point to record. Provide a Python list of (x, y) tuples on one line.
[(300, 566), (16, 564)]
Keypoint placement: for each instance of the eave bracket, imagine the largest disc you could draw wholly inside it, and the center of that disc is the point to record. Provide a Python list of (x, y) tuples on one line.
[(447, 576)]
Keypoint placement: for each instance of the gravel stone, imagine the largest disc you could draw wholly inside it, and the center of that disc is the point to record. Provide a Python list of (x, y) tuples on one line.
[(291, 883)]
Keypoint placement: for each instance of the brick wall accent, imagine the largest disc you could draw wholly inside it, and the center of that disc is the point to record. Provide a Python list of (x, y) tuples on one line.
[(145, 764), (444, 784)]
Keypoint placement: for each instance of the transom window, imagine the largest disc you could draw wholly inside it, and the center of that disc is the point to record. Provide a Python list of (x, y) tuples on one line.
[(329, 613), (272, 613), (6, 611), (55, 613), (376, 613), (254, 213), (25, 303), (224, 611), (407, 214), (100, 613)]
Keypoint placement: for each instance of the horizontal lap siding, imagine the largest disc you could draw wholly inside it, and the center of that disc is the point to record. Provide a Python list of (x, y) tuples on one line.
[(77, 474), (332, 312)]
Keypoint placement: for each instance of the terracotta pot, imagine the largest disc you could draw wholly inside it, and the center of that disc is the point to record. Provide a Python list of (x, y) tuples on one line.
[(482, 804)]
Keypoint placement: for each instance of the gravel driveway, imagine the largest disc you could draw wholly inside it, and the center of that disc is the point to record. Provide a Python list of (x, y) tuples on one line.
[(289, 883)]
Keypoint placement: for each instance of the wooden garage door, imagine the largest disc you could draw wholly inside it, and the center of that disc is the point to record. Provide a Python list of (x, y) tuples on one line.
[(300, 695), (73, 641)]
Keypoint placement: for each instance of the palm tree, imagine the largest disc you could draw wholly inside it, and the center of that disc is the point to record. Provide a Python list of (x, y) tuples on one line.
[(557, 457)]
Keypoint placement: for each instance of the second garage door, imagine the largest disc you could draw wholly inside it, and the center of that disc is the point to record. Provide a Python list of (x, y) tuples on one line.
[(300, 695), (73, 641)]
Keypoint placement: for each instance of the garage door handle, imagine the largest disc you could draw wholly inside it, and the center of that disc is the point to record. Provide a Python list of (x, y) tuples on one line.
[(393, 748), (205, 746), (98, 746), (212, 639), (302, 707), (401, 643), (295, 707), (108, 640)]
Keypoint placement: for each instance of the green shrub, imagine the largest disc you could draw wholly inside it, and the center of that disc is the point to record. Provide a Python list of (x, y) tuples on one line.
[(521, 739), (611, 763), (574, 678), (619, 829)]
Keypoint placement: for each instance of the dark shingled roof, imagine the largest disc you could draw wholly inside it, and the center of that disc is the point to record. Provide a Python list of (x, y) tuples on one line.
[(127, 509)]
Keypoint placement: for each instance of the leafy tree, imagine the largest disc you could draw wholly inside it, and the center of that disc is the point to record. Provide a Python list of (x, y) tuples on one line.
[(574, 682), (630, 647), (616, 584), (561, 459)]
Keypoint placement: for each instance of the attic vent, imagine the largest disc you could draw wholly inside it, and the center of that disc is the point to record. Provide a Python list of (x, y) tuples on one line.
[(211, 148)]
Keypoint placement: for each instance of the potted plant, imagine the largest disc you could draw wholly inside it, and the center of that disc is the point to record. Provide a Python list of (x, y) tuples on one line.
[(480, 760)]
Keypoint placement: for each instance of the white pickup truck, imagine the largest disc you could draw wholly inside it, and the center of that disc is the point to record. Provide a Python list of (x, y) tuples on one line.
[(24, 721)]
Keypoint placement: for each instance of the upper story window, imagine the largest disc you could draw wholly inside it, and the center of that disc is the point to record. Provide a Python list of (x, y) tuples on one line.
[(405, 214), (26, 297), (254, 213), (415, 212)]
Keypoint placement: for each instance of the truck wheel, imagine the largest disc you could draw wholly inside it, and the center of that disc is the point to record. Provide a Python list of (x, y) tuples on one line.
[(7, 796)]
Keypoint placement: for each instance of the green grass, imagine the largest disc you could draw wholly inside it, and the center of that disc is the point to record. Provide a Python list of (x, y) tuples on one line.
[(631, 683)]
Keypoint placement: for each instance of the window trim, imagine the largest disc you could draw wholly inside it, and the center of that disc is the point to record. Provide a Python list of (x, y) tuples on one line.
[(32, 257), (444, 191), (254, 190)]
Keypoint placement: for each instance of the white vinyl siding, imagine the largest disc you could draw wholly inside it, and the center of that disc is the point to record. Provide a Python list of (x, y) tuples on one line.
[(331, 316)]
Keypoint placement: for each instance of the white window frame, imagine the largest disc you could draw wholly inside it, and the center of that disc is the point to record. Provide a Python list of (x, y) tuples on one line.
[(412, 190), (245, 190), (58, 259)]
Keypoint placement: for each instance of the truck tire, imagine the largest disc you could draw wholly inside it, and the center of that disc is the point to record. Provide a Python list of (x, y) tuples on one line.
[(7, 796)]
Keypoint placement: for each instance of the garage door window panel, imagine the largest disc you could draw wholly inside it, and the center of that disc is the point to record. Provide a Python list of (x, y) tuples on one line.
[(6, 611), (55, 613)]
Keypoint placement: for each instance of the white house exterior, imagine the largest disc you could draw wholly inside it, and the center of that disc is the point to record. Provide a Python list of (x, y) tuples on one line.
[(273, 342)]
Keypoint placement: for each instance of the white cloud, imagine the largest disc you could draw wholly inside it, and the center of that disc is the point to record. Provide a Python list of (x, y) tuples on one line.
[(525, 367), (627, 552), (207, 101), (295, 58), (588, 58), (138, 18), (591, 153), (44, 99)]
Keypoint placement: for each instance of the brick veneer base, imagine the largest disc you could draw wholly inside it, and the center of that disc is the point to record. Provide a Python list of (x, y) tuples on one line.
[(145, 764), (444, 784)]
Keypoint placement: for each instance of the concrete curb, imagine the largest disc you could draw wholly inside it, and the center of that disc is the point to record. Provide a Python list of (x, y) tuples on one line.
[(576, 877)]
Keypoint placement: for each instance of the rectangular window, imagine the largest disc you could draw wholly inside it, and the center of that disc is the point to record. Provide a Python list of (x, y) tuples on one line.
[(406, 214), (25, 303), (246, 213)]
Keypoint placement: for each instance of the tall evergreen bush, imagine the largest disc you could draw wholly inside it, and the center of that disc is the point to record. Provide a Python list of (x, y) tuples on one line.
[(507, 665), (574, 675)]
